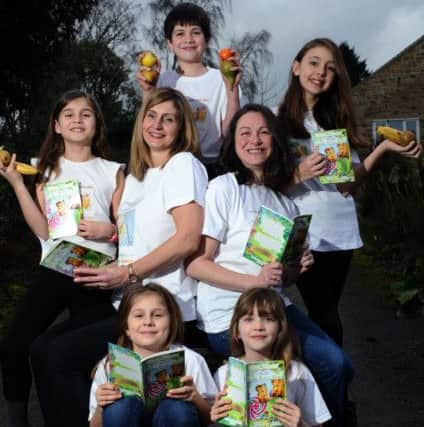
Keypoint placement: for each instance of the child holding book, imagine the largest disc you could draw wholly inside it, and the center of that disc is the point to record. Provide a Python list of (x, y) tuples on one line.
[(74, 148), (213, 99), (319, 98), (256, 157), (150, 321), (259, 331)]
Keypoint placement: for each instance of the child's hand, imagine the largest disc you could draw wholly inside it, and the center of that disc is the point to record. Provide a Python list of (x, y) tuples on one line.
[(95, 230), (107, 394), (413, 149), (10, 173), (187, 392), (313, 165), (307, 259), (221, 406), (237, 69), (270, 275), (287, 413)]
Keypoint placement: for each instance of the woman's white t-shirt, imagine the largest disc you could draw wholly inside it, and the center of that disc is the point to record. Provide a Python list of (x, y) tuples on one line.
[(302, 390), (145, 221), (334, 224), (230, 212)]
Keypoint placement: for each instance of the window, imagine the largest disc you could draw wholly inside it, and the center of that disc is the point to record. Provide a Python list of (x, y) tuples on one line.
[(412, 124)]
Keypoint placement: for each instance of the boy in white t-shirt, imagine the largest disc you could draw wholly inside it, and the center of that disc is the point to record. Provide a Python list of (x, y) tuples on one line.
[(213, 99)]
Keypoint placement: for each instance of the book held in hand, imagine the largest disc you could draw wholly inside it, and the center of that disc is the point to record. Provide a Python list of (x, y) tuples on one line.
[(148, 378), (334, 146), (253, 388), (272, 233), (65, 256), (63, 208)]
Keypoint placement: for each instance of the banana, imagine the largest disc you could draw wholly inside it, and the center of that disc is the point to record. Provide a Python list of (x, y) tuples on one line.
[(22, 168), (26, 169), (401, 137)]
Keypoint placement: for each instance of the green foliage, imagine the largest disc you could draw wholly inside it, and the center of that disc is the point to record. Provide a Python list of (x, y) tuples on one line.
[(391, 212), (356, 68)]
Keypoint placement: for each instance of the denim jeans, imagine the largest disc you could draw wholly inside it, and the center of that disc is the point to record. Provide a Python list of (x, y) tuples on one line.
[(130, 412), (329, 364)]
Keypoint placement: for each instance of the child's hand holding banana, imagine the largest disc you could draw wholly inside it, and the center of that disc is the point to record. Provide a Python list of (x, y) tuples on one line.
[(405, 140), (22, 168)]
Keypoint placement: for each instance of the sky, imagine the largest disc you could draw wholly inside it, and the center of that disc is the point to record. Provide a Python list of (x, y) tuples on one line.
[(377, 30)]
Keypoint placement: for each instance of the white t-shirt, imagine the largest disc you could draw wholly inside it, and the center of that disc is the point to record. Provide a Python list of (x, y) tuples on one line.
[(97, 178), (230, 212), (334, 225), (207, 97), (145, 221), (195, 366), (302, 390)]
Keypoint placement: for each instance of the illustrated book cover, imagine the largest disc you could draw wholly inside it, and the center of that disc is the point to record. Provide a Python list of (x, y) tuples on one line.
[(253, 388), (148, 378), (334, 146), (63, 208), (65, 256)]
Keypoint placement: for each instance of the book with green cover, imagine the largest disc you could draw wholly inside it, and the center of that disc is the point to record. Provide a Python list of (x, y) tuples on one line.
[(253, 388), (63, 207), (270, 235), (334, 146), (150, 377), (65, 256)]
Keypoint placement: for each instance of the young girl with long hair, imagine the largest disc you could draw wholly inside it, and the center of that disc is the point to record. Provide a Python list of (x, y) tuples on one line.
[(259, 331), (150, 321), (319, 98), (256, 158), (74, 148)]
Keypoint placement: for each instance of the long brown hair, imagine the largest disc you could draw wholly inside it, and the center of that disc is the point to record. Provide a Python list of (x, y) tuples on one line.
[(268, 302), (186, 140), (334, 108), (53, 146), (133, 291)]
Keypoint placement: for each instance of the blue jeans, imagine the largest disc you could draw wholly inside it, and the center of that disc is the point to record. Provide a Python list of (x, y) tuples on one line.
[(130, 412), (329, 364)]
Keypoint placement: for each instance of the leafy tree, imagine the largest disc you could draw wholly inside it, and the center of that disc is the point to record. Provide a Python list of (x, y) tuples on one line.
[(356, 67)]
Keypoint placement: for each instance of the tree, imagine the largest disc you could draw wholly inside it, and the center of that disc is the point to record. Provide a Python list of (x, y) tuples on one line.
[(356, 68), (255, 58)]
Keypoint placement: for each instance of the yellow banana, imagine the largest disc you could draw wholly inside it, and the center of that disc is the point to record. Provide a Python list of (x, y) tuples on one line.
[(26, 169), (22, 168), (401, 137)]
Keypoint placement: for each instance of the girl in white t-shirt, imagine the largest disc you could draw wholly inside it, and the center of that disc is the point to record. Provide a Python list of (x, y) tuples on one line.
[(319, 98), (150, 321), (74, 148), (259, 331)]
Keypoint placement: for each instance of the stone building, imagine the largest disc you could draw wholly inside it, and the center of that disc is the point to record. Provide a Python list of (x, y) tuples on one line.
[(394, 94)]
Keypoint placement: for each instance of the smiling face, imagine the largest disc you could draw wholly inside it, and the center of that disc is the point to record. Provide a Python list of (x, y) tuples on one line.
[(160, 129), (76, 122), (253, 142), (316, 72), (148, 324), (258, 333), (188, 43)]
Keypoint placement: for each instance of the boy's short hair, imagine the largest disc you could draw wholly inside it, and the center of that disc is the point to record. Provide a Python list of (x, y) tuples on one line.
[(187, 14)]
